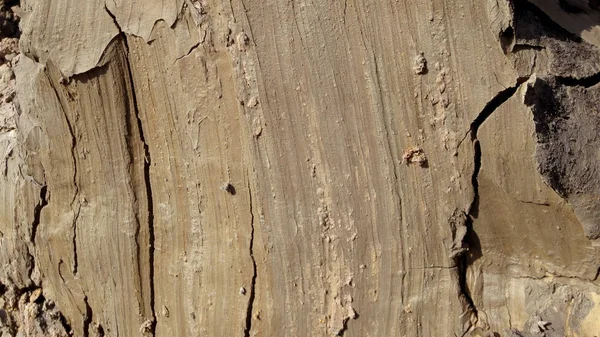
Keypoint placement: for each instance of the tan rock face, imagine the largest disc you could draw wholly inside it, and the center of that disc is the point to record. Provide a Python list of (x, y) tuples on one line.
[(185, 168)]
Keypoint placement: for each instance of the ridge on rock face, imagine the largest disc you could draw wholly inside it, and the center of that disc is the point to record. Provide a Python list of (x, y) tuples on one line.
[(272, 168), (24, 310)]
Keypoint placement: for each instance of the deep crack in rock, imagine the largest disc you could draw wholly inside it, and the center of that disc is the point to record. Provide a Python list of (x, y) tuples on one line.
[(463, 259), (492, 105), (585, 82), (249, 310), (192, 48), (147, 180), (75, 256), (87, 318), (37, 212)]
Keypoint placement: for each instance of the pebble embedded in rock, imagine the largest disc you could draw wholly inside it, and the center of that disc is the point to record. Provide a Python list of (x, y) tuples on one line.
[(420, 64)]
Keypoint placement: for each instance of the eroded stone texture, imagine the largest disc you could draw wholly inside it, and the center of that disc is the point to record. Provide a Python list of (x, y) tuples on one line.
[(185, 168), (567, 121), (26, 312), (536, 44)]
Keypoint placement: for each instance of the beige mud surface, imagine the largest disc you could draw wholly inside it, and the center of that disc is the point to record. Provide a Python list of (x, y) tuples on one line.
[(298, 168)]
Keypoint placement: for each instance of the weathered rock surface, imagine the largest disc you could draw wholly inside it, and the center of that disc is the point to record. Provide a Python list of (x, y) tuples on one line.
[(196, 167)]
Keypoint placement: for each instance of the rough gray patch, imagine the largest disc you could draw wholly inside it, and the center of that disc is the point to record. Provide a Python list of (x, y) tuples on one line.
[(581, 309), (578, 63), (549, 321), (555, 310), (564, 101), (568, 55), (9, 22), (567, 120), (25, 312)]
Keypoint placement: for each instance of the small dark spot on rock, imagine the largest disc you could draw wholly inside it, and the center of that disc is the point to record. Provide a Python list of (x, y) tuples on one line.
[(227, 187)]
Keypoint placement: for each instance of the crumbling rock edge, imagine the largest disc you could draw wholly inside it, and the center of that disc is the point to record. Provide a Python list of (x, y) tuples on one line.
[(566, 129), (556, 96), (562, 99)]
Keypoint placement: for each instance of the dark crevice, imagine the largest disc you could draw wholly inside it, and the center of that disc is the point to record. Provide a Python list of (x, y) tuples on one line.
[(40, 300), (570, 8), (149, 197), (29, 289), (507, 38), (100, 331), (87, 318), (9, 25), (535, 203), (524, 46), (586, 82), (148, 183), (493, 104), (471, 241), (147, 180), (37, 216), (130, 135), (248, 327), (473, 210), (60, 263), (464, 260), (189, 51), (344, 327), (37, 212), (116, 23), (597, 275), (65, 324), (75, 258), (433, 267)]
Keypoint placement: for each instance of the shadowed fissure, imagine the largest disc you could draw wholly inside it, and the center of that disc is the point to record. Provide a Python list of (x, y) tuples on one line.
[(585, 82), (37, 213), (248, 326), (464, 260), (147, 180)]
